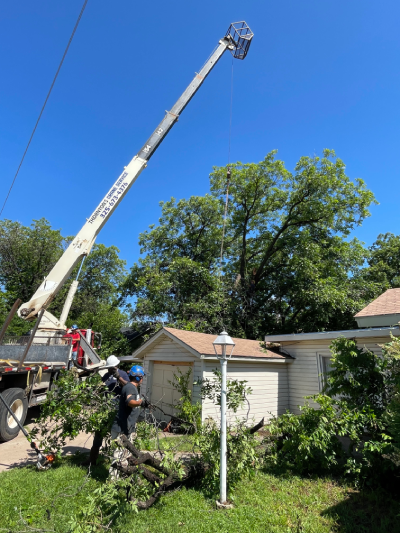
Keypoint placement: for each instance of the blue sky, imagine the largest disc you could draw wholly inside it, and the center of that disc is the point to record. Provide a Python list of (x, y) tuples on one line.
[(319, 74)]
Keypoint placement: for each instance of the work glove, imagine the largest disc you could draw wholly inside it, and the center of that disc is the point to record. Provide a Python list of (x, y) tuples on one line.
[(145, 403)]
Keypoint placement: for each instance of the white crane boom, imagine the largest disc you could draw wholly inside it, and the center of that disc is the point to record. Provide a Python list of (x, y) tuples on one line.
[(237, 40)]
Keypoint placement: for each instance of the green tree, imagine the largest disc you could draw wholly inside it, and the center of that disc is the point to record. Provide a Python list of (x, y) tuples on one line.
[(287, 264), (28, 253), (384, 262)]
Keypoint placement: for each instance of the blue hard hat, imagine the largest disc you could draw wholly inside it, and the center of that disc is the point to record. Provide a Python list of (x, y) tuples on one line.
[(74, 326), (137, 372)]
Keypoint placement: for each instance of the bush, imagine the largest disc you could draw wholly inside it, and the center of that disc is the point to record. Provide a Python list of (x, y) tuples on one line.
[(362, 378), (308, 443), (75, 405), (362, 404), (242, 457), (184, 408)]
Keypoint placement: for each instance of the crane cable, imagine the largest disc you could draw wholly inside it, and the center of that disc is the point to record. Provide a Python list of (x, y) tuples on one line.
[(228, 177), (45, 102)]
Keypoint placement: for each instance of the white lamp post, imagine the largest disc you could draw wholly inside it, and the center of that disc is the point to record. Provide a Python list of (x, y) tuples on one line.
[(223, 346)]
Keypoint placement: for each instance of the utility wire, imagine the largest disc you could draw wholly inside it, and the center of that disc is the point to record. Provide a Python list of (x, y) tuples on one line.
[(45, 102)]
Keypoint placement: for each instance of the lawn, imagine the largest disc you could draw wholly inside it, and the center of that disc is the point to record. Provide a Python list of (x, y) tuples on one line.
[(46, 501)]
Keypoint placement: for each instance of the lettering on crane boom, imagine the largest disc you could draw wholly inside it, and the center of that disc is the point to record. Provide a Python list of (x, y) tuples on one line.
[(111, 198)]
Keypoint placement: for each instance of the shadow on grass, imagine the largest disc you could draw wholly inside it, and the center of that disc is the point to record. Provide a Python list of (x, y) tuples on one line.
[(375, 508), (367, 511), (99, 472)]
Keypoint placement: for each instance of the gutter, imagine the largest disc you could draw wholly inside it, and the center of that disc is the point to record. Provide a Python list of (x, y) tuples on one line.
[(329, 335)]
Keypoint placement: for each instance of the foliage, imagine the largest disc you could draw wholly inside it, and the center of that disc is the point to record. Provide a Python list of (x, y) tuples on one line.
[(308, 443), (74, 406), (108, 319), (392, 414), (28, 253), (361, 406), (145, 435), (102, 507), (360, 377), (236, 391), (242, 457), (384, 261), (288, 265), (184, 407)]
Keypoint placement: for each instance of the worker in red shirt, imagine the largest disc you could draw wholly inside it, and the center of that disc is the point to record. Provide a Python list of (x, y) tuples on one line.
[(74, 334)]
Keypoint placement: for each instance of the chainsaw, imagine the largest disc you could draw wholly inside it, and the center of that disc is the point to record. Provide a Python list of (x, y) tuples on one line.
[(44, 461)]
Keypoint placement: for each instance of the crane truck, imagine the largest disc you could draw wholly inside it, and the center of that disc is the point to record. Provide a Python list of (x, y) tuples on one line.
[(29, 366)]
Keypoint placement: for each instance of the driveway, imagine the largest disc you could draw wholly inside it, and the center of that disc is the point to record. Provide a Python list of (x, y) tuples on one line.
[(17, 452)]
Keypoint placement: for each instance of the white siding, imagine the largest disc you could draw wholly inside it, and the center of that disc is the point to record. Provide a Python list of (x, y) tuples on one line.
[(170, 352), (197, 374), (163, 392), (304, 372), (269, 384)]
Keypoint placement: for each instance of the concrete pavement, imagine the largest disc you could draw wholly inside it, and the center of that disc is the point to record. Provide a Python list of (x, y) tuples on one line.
[(17, 452)]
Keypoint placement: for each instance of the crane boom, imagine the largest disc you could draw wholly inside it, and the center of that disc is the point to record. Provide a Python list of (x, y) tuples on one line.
[(237, 40)]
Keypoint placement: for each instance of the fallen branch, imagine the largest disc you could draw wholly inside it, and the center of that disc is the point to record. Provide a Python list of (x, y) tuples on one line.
[(190, 474), (257, 426)]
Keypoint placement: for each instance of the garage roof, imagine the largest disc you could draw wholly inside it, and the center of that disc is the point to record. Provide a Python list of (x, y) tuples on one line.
[(202, 344)]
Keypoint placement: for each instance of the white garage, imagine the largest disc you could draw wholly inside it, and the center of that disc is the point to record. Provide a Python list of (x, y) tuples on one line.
[(266, 372)]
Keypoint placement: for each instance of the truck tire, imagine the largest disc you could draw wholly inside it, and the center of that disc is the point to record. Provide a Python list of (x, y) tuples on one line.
[(18, 402)]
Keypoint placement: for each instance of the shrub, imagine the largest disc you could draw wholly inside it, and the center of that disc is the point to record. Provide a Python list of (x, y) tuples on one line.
[(242, 456), (362, 403), (308, 443)]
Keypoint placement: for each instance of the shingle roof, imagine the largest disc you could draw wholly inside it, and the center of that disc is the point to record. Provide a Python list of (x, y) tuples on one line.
[(387, 303), (203, 344)]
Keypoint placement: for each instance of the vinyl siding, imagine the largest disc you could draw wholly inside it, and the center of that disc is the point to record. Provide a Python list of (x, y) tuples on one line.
[(304, 373), (170, 352), (269, 384), (268, 381)]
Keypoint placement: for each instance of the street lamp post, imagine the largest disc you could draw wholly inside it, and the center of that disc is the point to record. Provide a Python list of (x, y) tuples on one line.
[(223, 347)]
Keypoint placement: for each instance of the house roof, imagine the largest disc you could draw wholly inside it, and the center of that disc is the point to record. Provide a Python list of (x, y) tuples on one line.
[(203, 344), (387, 303)]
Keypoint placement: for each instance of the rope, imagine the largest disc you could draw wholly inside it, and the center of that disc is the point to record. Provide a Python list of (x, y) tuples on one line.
[(45, 102), (228, 176), (228, 179)]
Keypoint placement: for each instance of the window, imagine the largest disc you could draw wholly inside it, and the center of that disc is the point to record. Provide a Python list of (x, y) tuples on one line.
[(324, 367)]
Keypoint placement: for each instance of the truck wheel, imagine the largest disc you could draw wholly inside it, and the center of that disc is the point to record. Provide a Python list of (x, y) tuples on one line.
[(18, 402)]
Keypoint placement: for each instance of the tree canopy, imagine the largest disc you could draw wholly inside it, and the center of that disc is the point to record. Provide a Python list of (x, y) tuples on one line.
[(28, 253), (288, 262)]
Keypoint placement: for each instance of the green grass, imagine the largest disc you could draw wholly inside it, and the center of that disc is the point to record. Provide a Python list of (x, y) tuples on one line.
[(264, 503)]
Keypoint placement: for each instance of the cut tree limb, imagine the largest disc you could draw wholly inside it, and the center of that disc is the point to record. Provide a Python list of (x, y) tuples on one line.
[(136, 462), (257, 426)]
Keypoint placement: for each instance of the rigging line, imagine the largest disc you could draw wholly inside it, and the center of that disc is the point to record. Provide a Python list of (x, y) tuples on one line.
[(230, 118), (228, 175), (228, 178), (45, 102)]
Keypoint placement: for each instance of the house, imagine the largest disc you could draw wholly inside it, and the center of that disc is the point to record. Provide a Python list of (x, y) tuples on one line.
[(171, 350), (280, 377), (311, 350)]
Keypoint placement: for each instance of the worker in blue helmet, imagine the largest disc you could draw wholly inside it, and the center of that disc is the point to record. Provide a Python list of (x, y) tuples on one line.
[(128, 407), (129, 404)]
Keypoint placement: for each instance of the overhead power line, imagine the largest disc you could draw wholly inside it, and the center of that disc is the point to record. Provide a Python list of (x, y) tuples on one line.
[(45, 102)]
